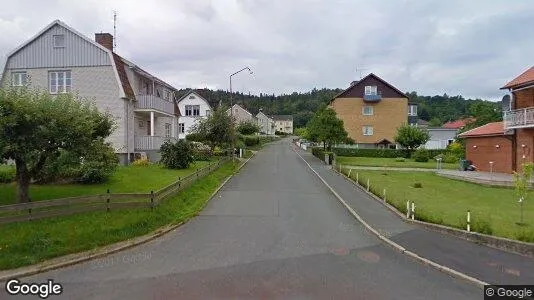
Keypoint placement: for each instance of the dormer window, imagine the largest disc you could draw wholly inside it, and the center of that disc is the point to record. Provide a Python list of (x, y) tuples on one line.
[(59, 40), (371, 90)]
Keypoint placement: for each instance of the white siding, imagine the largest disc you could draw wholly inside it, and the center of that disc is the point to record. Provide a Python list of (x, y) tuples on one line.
[(189, 121), (41, 53)]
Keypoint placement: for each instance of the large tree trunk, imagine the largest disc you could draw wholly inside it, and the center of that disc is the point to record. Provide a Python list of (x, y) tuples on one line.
[(23, 181)]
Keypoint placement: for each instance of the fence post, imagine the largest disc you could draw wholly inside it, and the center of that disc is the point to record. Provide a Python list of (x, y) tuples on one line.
[(30, 209), (107, 201), (468, 221), (407, 209), (368, 184), (385, 195), (151, 200), (413, 210), (350, 170), (357, 178)]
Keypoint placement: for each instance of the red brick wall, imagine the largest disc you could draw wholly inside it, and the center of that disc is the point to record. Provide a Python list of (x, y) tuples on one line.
[(525, 145), (485, 151), (524, 98)]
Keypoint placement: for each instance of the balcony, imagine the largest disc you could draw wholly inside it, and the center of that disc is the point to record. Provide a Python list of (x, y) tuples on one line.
[(152, 102), (519, 118), (372, 98), (147, 142)]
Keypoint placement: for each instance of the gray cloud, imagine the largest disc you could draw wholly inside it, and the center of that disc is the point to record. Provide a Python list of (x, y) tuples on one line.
[(433, 47)]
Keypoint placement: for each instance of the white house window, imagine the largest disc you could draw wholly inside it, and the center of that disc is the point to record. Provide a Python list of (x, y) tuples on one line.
[(208, 112), (168, 130), (59, 82), (192, 110), (19, 78), (412, 110), (367, 110), (59, 41), (181, 127), (371, 90), (367, 130)]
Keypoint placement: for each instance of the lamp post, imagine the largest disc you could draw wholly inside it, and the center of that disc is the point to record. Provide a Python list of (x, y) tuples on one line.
[(231, 109)]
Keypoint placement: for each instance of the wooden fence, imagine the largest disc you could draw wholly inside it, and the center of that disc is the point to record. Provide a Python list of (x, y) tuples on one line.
[(102, 202)]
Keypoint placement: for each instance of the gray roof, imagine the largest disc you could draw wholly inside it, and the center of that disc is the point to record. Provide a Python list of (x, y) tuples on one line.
[(283, 117)]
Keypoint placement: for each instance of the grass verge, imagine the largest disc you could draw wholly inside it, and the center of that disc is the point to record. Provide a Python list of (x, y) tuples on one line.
[(127, 179), (391, 162), (29, 243), (440, 200)]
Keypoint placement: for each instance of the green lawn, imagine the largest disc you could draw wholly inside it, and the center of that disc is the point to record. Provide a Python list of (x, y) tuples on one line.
[(390, 162), (130, 179), (445, 201), (28, 243)]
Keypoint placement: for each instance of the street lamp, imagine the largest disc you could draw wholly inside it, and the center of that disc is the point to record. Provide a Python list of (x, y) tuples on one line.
[(231, 110)]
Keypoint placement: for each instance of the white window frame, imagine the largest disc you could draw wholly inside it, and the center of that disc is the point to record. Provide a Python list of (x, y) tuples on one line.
[(368, 113), (55, 40), (371, 90), (65, 85), (19, 78), (412, 110), (196, 110), (181, 127), (367, 130), (168, 130)]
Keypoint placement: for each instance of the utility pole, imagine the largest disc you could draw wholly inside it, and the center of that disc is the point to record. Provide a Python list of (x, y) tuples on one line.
[(231, 109)]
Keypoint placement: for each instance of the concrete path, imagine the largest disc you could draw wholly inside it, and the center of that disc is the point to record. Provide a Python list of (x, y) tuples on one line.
[(273, 232), (481, 262)]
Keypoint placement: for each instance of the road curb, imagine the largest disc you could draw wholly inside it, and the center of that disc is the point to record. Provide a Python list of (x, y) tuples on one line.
[(495, 242), (394, 245), (76, 258)]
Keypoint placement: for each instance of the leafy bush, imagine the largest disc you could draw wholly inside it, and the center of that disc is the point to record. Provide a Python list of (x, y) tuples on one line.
[(248, 128), (450, 158), (194, 137), (201, 152), (99, 164), (142, 162), (386, 153), (318, 152), (400, 159), (251, 140), (457, 149), (7, 174), (178, 155), (268, 138), (417, 185), (420, 155)]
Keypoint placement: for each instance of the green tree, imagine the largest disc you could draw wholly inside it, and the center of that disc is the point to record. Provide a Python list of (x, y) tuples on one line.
[(36, 127), (327, 128), (217, 130), (522, 184), (411, 137), (248, 128), (435, 122), (302, 132), (178, 155)]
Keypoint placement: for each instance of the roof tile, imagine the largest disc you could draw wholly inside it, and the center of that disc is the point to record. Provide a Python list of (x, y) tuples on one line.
[(490, 129), (524, 78)]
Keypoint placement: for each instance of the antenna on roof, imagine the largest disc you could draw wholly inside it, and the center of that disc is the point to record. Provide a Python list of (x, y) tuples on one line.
[(114, 29), (360, 69)]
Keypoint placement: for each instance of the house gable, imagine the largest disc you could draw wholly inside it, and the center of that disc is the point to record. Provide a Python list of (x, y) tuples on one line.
[(41, 53), (384, 88), (191, 98)]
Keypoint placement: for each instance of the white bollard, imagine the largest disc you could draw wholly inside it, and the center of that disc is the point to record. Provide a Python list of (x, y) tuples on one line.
[(368, 184), (468, 221), (408, 209), (413, 210), (357, 178), (385, 195)]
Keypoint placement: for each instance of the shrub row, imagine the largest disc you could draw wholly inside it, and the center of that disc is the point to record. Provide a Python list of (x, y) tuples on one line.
[(387, 153), (7, 174)]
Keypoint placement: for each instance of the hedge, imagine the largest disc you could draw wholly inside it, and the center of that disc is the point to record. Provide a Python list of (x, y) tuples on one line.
[(387, 153)]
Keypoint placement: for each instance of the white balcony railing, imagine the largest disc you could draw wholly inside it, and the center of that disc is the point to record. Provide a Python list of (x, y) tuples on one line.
[(154, 102), (519, 118), (147, 142)]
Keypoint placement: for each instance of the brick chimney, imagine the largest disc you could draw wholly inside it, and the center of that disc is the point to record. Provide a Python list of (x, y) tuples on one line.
[(104, 39)]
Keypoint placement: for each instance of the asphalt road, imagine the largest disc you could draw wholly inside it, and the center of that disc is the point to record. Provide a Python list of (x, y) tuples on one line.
[(273, 232)]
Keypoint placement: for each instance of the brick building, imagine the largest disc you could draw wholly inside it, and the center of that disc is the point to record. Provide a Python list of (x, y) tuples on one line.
[(489, 147)]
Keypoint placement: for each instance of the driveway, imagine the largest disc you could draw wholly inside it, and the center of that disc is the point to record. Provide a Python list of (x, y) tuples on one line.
[(273, 232)]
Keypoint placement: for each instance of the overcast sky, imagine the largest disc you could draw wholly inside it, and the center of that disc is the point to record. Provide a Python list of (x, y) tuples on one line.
[(433, 47)]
